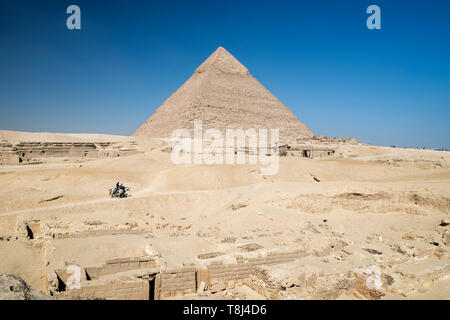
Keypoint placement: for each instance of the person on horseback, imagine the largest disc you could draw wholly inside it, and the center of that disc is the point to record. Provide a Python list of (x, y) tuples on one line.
[(119, 191), (115, 191)]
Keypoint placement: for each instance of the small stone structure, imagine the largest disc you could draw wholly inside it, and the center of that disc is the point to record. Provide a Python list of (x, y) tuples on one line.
[(306, 151), (140, 278), (96, 282)]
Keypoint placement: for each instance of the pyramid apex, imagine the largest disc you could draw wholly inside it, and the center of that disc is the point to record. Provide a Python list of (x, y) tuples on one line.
[(223, 61), (222, 49)]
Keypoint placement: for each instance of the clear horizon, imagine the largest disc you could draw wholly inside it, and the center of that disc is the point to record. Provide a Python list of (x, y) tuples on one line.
[(382, 87)]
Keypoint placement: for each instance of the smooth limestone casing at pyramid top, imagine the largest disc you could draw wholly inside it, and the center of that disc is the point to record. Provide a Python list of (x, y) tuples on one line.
[(224, 95)]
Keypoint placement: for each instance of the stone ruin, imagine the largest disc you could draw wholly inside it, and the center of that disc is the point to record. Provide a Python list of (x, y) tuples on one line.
[(148, 277), (142, 278), (41, 152)]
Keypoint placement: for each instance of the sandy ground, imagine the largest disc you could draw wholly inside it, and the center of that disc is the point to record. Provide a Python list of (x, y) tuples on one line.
[(19, 136), (375, 212)]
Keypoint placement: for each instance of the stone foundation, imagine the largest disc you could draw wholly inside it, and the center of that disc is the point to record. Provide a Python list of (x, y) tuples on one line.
[(141, 278)]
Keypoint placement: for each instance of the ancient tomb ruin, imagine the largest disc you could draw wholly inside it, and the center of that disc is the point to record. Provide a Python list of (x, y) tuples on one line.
[(40, 152)]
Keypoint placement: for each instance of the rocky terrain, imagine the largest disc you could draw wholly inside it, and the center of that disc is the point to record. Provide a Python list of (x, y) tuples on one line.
[(14, 288)]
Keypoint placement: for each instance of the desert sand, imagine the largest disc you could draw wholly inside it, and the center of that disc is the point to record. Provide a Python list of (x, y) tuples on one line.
[(19, 136), (375, 209)]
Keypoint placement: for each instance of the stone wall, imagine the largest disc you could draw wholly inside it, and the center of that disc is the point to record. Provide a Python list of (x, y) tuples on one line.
[(111, 267), (174, 281), (186, 280), (219, 271), (166, 282), (120, 265), (93, 287), (115, 290), (95, 233)]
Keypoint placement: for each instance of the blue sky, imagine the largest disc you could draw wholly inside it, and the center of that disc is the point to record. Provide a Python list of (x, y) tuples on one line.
[(384, 87)]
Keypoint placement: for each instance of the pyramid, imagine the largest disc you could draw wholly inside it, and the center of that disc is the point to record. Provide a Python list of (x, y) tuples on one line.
[(224, 95)]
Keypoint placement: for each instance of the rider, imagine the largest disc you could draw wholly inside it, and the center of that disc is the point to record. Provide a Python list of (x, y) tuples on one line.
[(117, 186)]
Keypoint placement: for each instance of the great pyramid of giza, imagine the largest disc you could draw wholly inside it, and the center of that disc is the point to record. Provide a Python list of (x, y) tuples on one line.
[(224, 95)]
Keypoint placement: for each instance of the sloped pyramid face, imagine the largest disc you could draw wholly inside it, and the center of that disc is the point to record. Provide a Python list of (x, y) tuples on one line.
[(224, 95)]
